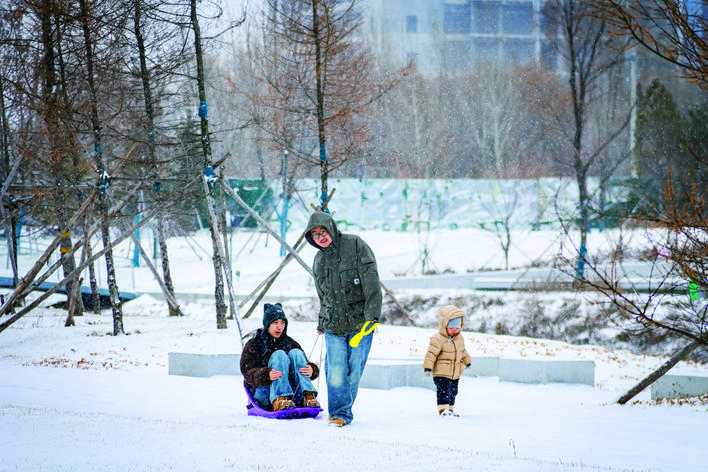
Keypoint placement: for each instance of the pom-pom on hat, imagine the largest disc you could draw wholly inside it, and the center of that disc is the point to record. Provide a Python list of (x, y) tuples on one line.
[(272, 313)]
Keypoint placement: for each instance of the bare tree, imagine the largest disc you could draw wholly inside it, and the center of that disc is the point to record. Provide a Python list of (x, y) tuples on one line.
[(92, 29), (673, 309), (502, 207), (673, 31), (210, 179), (57, 107), (8, 166), (590, 51), (317, 84), (155, 169)]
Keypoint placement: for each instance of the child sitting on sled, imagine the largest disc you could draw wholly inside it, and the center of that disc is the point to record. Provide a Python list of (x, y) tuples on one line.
[(275, 367), (447, 358)]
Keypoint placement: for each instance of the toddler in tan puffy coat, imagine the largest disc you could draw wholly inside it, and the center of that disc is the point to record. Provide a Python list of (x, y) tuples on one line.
[(447, 358)]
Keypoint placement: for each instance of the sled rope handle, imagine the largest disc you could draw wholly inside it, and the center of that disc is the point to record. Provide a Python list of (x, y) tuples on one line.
[(314, 346), (354, 342), (320, 359)]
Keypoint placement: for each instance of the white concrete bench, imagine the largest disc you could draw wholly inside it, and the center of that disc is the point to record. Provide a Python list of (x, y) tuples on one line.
[(203, 365), (678, 386), (547, 371), (386, 374)]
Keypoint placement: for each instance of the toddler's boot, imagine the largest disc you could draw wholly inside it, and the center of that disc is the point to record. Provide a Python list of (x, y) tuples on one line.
[(450, 411)]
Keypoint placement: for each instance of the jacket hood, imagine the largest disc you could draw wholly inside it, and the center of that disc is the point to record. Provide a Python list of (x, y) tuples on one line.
[(320, 218), (445, 314)]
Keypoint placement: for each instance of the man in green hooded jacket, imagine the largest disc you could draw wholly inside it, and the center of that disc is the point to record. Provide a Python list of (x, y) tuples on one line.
[(347, 283)]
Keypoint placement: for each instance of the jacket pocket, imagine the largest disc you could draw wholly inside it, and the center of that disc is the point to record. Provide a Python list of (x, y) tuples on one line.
[(444, 367), (352, 285)]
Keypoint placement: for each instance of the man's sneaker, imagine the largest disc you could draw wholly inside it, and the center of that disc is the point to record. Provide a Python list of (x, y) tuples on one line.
[(337, 422), (283, 403), (310, 401)]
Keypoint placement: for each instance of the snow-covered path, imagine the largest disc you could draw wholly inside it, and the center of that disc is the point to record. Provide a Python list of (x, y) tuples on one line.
[(145, 420), (77, 399)]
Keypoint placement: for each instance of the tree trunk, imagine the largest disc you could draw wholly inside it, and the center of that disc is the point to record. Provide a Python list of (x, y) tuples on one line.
[(150, 115), (116, 306), (324, 165), (76, 291), (164, 257), (219, 268), (61, 141), (102, 171), (93, 283), (584, 223), (226, 256), (69, 264), (677, 357), (206, 149)]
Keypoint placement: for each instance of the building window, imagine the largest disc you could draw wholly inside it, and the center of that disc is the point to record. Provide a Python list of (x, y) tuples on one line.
[(411, 24), (549, 56), (486, 49), (518, 51), (457, 18), (486, 17), (517, 18)]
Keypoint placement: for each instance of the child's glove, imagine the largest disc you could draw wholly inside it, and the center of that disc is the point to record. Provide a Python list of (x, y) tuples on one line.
[(427, 372)]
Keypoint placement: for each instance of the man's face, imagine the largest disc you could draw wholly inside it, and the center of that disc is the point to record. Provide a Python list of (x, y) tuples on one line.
[(321, 236), (276, 328)]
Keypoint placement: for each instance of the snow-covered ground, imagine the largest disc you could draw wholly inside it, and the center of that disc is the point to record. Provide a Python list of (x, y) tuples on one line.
[(78, 399)]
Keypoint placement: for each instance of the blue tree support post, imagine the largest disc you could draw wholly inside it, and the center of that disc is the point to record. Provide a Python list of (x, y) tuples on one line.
[(286, 202), (580, 267), (323, 165), (136, 253)]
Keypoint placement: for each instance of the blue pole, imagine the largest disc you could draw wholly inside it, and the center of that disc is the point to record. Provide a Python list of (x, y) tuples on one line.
[(580, 267), (284, 223), (136, 253)]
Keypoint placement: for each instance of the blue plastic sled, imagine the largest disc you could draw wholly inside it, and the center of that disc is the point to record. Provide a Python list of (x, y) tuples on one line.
[(254, 409)]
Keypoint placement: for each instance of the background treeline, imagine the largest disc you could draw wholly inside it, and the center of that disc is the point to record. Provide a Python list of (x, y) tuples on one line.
[(115, 112), (492, 121)]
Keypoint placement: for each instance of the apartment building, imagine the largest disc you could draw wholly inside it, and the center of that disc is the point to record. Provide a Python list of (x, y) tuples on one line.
[(450, 35)]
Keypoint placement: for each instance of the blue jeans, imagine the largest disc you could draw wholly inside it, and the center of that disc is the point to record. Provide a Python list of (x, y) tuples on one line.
[(291, 384), (343, 368)]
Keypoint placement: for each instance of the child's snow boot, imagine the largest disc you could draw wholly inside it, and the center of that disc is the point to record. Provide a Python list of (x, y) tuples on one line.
[(442, 409), (449, 412)]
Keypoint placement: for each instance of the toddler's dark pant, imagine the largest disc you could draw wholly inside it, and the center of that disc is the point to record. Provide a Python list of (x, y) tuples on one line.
[(447, 390)]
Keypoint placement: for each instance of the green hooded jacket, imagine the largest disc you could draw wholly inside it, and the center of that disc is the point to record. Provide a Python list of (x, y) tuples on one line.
[(346, 279)]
